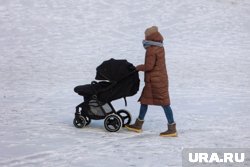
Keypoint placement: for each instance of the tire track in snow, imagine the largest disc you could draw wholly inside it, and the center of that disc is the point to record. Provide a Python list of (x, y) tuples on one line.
[(28, 160)]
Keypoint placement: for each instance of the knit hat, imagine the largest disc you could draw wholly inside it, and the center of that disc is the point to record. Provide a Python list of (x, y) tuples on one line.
[(151, 30)]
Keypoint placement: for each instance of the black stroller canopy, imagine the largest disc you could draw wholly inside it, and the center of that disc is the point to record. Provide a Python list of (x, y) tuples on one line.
[(114, 70), (123, 81)]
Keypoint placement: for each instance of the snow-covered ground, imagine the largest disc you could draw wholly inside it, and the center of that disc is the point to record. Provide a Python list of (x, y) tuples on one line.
[(49, 47)]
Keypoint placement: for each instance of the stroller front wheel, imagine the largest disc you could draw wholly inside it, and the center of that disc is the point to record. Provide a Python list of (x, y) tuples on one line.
[(88, 120), (113, 123), (79, 122)]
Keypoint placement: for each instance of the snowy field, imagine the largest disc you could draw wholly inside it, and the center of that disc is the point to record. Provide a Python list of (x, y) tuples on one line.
[(49, 47)]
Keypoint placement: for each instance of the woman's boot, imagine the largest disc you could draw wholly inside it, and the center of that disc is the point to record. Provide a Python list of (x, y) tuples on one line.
[(136, 127), (171, 132)]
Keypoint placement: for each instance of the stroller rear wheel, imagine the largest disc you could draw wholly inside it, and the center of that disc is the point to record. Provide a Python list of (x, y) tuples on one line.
[(79, 122), (126, 117), (113, 123)]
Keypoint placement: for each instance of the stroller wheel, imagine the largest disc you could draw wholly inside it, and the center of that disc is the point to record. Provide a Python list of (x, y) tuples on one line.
[(126, 117), (79, 122), (88, 120), (113, 123)]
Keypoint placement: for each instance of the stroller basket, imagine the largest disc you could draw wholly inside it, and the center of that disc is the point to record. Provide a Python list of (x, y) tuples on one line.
[(96, 109)]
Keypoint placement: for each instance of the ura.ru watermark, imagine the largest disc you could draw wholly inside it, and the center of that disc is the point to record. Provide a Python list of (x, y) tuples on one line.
[(216, 157)]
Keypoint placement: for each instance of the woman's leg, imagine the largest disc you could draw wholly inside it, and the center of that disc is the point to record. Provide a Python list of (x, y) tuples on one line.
[(169, 114), (143, 111), (137, 126), (171, 132)]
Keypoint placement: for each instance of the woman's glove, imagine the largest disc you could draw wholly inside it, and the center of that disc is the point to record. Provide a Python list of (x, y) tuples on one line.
[(140, 67)]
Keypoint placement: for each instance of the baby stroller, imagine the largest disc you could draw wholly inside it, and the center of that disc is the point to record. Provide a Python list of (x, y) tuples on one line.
[(118, 79)]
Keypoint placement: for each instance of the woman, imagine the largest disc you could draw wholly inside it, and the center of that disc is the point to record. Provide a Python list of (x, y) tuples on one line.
[(155, 91)]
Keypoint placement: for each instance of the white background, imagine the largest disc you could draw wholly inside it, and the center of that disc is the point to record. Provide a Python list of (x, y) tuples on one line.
[(49, 47)]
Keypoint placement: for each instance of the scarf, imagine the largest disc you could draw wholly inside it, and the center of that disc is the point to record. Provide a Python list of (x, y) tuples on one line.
[(147, 43)]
